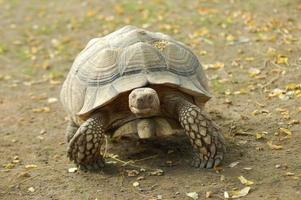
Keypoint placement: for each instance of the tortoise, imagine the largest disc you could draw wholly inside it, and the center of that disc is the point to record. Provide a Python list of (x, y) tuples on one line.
[(137, 80)]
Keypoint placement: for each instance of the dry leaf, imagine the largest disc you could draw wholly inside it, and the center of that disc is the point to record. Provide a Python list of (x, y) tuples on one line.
[(285, 131), (254, 71), (52, 100), (9, 165), (260, 135), (290, 174), (72, 170), (273, 146), (157, 172), (136, 184), (244, 181), (31, 166), (193, 195), (132, 173), (240, 193), (281, 60), (40, 110), (31, 189), (233, 164), (208, 194)]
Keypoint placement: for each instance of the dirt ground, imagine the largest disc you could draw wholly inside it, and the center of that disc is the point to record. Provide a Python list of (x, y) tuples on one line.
[(251, 52)]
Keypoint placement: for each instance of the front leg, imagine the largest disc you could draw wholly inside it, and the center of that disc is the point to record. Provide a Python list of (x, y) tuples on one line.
[(84, 146), (205, 137)]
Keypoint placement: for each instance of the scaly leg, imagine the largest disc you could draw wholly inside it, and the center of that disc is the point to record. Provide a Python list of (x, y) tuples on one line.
[(84, 146), (205, 137)]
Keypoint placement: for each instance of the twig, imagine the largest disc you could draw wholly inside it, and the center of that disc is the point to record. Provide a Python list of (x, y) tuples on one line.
[(128, 163), (147, 158)]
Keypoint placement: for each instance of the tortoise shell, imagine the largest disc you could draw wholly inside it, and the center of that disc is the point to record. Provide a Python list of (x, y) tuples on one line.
[(126, 59)]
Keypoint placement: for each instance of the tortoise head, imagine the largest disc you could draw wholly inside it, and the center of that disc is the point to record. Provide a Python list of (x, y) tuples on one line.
[(144, 102)]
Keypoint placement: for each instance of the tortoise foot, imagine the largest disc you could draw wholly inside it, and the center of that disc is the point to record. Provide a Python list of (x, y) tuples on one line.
[(205, 137), (84, 147)]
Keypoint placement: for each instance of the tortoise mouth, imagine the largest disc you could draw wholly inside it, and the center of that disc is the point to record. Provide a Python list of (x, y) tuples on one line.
[(145, 112), (141, 111)]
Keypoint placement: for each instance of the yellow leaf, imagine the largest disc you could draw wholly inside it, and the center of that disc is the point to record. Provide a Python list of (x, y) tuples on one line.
[(282, 60), (260, 136), (249, 59), (293, 86), (90, 13), (273, 146), (244, 181), (285, 131), (9, 165), (119, 10), (40, 110), (31, 166)]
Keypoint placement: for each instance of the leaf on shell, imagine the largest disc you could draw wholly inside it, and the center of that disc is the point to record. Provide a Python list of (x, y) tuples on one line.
[(274, 146), (244, 181)]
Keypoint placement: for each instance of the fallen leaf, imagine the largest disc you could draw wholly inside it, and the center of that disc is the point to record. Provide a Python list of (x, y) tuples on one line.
[(136, 184), (217, 65), (285, 131), (240, 193), (157, 172), (254, 71), (290, 174), (208, 194), (273, 146), (244, 181), (31, 189), (193, 195), (40, 110), (72, 170), (52, 100), (31, 166), (281, 59), (260, 135), (132, 173), (9, 165), (233, 164)]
